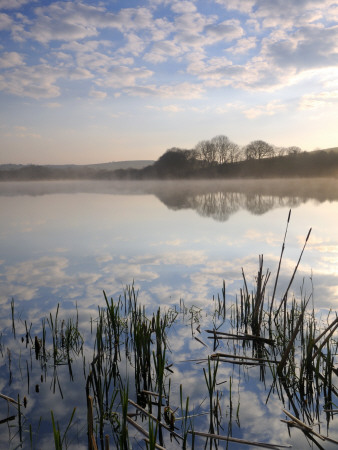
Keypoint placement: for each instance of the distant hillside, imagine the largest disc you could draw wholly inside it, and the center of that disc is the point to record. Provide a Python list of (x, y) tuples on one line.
[(113, 165), (180, 164), (333, 149)]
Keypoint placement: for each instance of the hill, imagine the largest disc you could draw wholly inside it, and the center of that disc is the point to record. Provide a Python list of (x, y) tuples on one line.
[(113, 165), (179, 164)]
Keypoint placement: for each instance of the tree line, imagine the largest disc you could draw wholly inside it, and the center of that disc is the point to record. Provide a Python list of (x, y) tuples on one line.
[(221, 150), (218, 157)]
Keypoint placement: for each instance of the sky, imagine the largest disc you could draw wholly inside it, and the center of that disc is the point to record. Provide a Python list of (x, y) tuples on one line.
[(96, 81)]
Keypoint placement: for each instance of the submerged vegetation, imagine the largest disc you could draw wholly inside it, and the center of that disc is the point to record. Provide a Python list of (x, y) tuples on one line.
[(134, 380)]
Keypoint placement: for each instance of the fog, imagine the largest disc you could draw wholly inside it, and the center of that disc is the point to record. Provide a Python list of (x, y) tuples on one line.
[(218, 199)]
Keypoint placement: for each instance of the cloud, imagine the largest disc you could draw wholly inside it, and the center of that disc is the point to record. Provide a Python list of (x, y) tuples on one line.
[(308, 47), (173, 109), (53, 105), (126, 272), (227, 30), (183, 7), (24, 279), (5, 22), (170, 109), (287, 12), (35, 82), (244, 6), (135, 45), (283, 13), (14, 4), (318, 100), (243, 45), (91, 56), (69, 21), (184, 257), (269, 109), (24, 132), (183, 91), (267, 47), (38, 81), (122, 76), (162, 50), (10, 59), (189, 26), (100, 95)]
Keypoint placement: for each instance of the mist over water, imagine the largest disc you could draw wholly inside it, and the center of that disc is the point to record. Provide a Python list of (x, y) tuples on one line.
[(257, 196), (175, 239)]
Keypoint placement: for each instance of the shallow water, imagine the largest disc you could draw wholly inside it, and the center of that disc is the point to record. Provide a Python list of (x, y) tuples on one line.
[(65, 242)]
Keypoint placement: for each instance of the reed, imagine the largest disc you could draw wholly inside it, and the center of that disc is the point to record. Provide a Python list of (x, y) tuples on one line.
[(185, 415), (210, 377)]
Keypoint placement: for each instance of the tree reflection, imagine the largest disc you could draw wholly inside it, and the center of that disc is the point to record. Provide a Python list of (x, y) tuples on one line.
[(220, 205), (218, 199)]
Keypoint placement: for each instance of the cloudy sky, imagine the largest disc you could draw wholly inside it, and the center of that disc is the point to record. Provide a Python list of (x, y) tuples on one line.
[(98, 81)]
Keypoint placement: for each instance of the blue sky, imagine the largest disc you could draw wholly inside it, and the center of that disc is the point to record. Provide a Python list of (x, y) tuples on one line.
[(97, 81)]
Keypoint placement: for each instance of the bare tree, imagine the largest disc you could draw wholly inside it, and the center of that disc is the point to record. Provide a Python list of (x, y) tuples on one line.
[(234, 154), (281, 151), (226, 151), (207, 151), (293, 150), (259, 150)]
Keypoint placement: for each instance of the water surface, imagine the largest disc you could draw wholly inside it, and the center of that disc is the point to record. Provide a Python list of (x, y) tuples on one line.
[(65, 242)]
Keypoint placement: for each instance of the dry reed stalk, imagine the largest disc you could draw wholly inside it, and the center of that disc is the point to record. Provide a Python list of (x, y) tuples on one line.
[(8, 419), (106, 442), (91, 440), (279, 265), (238, 441), (248, 337), (9, 399), (325, 340), (201, 342), (155, 394), (154, 418), (292, 423), (334, 323), (234, 361), (229, 355), (93, 443), (303, 425), (293, 275), (257, 312), (282, 363), (141, 430)]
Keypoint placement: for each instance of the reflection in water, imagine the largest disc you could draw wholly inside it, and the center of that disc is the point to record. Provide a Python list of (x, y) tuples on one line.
[(221, 199), (64, 245), (221, 205), (217, 199)]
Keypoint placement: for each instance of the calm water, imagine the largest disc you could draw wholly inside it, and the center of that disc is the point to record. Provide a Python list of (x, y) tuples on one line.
[(66, 242)]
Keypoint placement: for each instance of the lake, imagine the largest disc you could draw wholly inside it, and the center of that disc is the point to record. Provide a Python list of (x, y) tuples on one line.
[(66, 242)]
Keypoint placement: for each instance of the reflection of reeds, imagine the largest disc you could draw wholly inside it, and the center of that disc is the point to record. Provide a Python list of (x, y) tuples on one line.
[(13, 320), (210, 376), (218, 437)]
